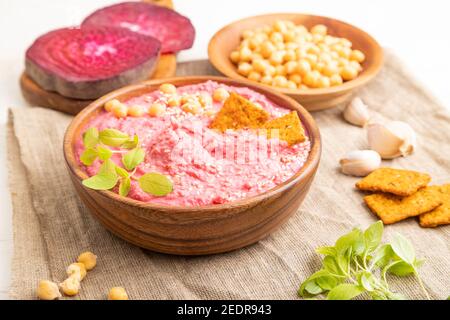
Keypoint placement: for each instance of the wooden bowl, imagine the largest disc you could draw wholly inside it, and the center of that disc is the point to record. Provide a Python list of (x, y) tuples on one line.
[(228, 38), (194, 230)]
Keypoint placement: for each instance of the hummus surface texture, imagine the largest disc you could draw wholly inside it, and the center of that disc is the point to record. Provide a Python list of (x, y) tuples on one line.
[(206, 166)]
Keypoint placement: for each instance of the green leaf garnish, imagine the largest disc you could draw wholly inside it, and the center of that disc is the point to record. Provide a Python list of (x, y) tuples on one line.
[(105, 179), (133, 158), (104, 153), (131, 143), (124, 186), (122, 172), (359, 263), (88, 156), (113, 137), (90, 138), (155, 184)]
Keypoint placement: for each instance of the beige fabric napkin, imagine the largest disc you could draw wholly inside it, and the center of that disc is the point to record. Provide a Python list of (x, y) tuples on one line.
[(52, 226)]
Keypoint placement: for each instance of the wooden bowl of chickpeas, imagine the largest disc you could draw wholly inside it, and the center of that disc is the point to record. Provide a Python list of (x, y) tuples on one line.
[(316, 60)]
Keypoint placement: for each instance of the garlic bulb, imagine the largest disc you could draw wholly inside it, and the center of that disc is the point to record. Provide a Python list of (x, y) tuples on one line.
[(360, 163), (357, 113), (392, 140)]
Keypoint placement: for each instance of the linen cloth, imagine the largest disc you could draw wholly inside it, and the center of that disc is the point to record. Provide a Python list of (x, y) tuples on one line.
[(52, 226)]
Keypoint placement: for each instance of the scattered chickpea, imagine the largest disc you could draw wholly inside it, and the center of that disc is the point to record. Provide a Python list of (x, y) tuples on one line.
[(284, 54), (117, 293), (110, 104), (88, 259), (174, 101), (220, 94), (77, 269), (210, 112), (167, 88), (193, 107), (135, 111), (48, 290), (156, 109), (205, 100), (70, 286), (120, 110)]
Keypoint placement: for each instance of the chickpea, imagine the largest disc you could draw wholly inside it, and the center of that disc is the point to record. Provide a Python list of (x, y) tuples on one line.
[(300, 29), (191, 107), (289, 55), (247, 34), (325, 57), (319, 66), (355, 65), (296, 78), (280, 46), (345, 42), (70, 286), (311, 78), (259, 65), (245, 54), (266, 80), (280, 26), (174, 101), (319, 29), (234, 56), (349, 73), (244, 68), (303, 67), (48, 290), (301, 53), (267, 48), (276, 37), (336, 80), (220, 94), (270, 70), (77, 269), (205, 100), (254, 76), (289, 24), (256, 56), (317, 38), (254, 42), (291, 67), (117, 293), (291, 46), (358, 56), (288, 35), (280, 70), (168, 88), (111, 104), (120, 110), (312, 59), (279, 81), (324, 82), (345, 52), (210, 112), (330, 69), (157, 109), (88, 259), (314, 50), (342, 62), (135, 111), (276, 58), (291, 85)]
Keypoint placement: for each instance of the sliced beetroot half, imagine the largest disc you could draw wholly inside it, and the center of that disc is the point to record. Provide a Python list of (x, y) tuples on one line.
[(87, 63), (175, 31)]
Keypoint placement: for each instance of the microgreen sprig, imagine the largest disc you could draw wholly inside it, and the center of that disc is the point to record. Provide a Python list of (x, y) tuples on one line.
[(358, 263), (96, 147)]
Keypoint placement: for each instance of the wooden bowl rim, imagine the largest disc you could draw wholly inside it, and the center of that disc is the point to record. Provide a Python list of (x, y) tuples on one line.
[(307, 169), (370, 71)]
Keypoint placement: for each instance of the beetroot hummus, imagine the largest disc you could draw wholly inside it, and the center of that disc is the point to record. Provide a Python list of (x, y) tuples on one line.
[(205, 166)]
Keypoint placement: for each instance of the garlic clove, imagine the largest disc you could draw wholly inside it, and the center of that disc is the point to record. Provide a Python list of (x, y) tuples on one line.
[(391, 140), (357, 113), (360, 163)]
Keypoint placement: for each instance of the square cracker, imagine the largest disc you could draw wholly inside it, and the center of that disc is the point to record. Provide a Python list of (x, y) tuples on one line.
[(239, 113), (391, 208), (396, 181), (289, 128), (440, 215)]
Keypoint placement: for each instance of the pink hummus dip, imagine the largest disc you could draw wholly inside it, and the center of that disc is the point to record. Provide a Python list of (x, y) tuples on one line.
[(206, 166)]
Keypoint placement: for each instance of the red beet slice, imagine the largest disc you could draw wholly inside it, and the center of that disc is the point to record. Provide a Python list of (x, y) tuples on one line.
[(175, 31), (90, 62)]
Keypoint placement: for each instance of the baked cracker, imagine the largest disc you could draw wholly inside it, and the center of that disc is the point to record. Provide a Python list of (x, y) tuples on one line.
[(391, 208), (289, 128), (396, 181), (440, 215), (238, 113)]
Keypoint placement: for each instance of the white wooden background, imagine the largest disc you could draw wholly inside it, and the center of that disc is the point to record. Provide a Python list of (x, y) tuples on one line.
[(417, 30)]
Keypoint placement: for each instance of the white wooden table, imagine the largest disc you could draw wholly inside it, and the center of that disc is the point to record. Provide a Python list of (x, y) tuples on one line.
[(415, 30)]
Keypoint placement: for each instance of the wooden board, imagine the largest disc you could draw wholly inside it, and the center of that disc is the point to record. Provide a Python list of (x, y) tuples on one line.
[(37, 96)]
